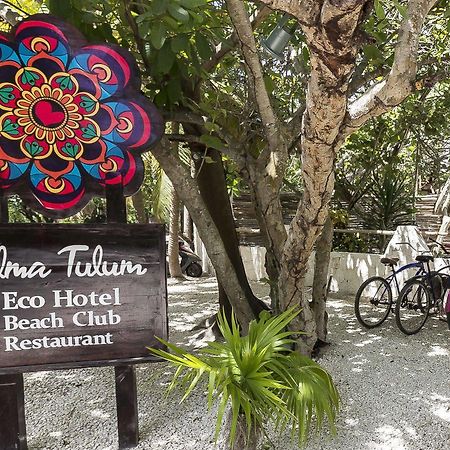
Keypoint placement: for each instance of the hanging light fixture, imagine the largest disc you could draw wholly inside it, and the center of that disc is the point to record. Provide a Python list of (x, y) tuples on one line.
[(280, 37)]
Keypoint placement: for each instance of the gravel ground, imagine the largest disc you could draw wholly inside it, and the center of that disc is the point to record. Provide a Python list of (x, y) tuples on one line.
[(395, 390)]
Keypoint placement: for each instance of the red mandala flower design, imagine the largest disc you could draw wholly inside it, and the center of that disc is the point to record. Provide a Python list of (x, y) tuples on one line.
[(71, 117)]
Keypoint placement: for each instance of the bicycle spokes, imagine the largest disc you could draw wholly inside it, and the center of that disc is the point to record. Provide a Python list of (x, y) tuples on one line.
[(373, 302), (413, 306)]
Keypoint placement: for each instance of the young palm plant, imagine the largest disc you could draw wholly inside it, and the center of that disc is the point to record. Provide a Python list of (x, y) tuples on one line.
[(262, 379)]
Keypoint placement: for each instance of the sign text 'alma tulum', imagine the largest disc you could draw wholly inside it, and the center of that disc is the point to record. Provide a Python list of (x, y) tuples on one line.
[(80, 295)]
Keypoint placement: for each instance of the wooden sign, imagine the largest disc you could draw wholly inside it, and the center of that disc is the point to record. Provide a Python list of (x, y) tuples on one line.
[(76, 296)]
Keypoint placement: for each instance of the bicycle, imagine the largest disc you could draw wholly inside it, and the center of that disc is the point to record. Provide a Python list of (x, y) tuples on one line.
[(420, 295), (373, 300)]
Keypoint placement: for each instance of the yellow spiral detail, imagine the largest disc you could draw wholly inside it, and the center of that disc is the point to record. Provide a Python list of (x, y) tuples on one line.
[(107, 72), (52, 189)]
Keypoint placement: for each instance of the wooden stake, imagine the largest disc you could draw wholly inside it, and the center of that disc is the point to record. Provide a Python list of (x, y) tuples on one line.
[(126, 390)]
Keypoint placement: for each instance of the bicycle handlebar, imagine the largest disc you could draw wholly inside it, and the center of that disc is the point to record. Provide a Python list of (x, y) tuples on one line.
[(415, 249), (440, 245)]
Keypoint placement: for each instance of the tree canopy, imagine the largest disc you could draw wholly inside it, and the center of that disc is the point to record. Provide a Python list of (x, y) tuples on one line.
[(318, 110)]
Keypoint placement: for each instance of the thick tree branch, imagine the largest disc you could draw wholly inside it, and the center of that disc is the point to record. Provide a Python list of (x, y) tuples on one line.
[(189, 194), (183, 117), (232, 150), (244, 31), (233, 41), (265, 173), (295, 127), (399, 83), (305, 11), (333, 43)]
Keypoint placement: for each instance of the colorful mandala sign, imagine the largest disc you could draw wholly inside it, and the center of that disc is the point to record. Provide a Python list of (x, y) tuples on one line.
[(72, 119)]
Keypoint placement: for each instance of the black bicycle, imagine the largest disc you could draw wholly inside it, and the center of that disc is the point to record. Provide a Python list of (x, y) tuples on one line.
[(374, 299), (421, 296)]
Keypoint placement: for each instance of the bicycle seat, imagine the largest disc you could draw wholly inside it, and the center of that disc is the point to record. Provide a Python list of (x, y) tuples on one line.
[(389, 261), (424, 258)]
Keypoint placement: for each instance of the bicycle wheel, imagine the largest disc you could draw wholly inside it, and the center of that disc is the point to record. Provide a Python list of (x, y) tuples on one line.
[(373, 302), (413, 306)]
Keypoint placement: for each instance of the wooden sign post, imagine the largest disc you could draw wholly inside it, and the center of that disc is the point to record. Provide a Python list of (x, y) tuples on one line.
[(126, 389), (79, 296)]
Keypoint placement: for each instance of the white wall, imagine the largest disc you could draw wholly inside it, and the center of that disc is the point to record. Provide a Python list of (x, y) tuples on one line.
[(348, 270)]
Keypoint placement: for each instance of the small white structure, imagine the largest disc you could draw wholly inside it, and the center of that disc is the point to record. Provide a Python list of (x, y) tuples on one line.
[(406, 244)]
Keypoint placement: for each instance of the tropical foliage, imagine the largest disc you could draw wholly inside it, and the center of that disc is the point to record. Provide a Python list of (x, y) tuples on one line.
[(259, 376)]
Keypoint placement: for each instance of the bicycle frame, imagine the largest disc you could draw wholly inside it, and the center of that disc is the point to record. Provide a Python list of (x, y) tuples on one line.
[(393, 277), (428, 275)]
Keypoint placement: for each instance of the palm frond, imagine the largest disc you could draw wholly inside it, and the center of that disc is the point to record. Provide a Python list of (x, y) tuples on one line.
[(260, 376), (162, 197)]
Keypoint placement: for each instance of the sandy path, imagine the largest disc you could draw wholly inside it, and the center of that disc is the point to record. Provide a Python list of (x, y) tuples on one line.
[(395, 390)]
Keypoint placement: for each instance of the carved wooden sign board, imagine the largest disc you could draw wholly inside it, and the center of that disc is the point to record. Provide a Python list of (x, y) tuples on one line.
[(79, 296)]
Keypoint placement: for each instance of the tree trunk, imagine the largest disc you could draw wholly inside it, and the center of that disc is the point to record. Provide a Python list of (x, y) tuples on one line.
[(333, 48), (320, 283), (139, 206), (213, 188), (189, 194), (266, 199), (188, 229), (174, 231), (265, 172), (242, 441)]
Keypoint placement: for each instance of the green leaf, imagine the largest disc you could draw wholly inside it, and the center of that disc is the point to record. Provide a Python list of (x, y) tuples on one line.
[(34, 149), (210, 126), (71, 150), (29, 77), (143, 17), (212, 141), (88, 103), (89, 131), (400, 8), (174, 91), (158, 6), (373, 53), (165, 59), (178, 12), (180, 43), (379, 10), (65, 82), (190, 4), (10, 127), (203, 47), (198, 18), (89, 18), (158, 35), (171, 23), (6, 94), (270, 85), (305, 54)]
